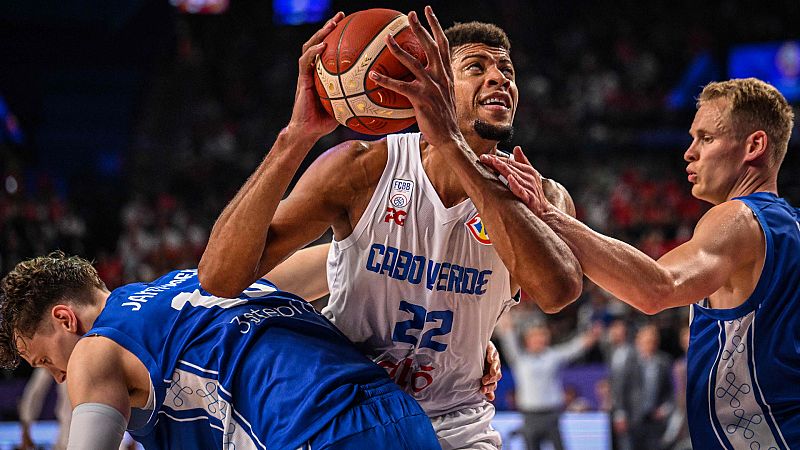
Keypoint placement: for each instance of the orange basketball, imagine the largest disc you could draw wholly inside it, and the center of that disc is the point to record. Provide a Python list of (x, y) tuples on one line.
[(356, 46)]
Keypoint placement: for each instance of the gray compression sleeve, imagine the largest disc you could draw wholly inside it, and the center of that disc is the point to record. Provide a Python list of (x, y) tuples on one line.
[(96, 426)]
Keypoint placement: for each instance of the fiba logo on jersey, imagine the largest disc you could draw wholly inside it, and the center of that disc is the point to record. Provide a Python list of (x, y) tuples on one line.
[(477, 230), (398, 200)]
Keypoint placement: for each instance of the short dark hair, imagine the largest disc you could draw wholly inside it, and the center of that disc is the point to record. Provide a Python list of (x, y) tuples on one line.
[(477, 33), (32, 288)]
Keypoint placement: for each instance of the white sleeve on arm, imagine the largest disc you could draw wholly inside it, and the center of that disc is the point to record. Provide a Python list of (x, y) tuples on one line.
[(96, 426)]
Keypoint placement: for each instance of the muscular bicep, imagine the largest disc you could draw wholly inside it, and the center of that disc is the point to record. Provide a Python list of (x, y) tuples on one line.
[(319, 200), (725, 252)]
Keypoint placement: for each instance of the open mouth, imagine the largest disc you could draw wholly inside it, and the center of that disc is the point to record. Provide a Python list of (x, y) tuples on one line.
[(498, 101)]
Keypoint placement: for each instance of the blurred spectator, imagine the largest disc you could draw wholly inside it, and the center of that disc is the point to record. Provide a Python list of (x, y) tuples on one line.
[(676, 436), (651, 390), (620, 357), (537, 372)]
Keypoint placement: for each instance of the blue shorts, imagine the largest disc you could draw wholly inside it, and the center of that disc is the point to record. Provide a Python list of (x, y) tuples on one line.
[(384, 417)]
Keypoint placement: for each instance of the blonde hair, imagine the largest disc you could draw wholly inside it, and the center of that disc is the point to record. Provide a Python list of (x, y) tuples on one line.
[(755, 105)]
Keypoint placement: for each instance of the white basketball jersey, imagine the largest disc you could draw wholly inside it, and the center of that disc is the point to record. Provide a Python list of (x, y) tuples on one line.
[(418, 286)]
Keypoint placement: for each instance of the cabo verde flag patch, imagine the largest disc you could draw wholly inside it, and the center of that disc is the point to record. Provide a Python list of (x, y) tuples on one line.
[(477, 230)]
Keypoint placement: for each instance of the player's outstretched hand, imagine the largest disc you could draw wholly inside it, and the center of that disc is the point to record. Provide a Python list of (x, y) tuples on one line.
[(431, 92), (523, 180), (308, 115), (491, 372)]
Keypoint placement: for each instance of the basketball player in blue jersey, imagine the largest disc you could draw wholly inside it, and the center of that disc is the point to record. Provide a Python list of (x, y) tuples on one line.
[(180, 368), (415, 279), (740, 272)]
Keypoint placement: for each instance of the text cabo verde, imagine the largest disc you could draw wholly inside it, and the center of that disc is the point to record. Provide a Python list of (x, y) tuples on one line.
[(439, 276)]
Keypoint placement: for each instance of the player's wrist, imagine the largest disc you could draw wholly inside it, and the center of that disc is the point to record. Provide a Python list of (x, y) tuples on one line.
[(299, 136)]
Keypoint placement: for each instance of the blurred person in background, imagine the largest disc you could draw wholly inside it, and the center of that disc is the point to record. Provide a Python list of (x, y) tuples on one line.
[(677, 435), (650, 389), (537, 371), (620, 357)]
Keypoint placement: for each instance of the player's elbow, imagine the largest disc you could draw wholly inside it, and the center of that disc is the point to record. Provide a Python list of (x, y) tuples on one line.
[(654, 300), (217, 282), (565, 290)]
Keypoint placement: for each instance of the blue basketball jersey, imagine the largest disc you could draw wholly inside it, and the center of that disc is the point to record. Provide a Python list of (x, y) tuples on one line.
[(744, 363), (263, 370)]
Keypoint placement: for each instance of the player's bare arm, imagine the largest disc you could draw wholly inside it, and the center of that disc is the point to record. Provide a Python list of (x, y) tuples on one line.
[(722, 260), (104, 382), (532, 252), (303, 273), (236, 248), (100, 371)]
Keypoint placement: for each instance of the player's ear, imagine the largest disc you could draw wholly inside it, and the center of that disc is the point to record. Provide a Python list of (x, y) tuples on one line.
[(756, 146), (65, 318)]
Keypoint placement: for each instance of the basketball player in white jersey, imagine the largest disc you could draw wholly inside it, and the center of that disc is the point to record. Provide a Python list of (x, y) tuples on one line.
[(416, 281)]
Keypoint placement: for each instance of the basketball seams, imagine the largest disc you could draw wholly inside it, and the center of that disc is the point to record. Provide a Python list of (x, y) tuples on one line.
[(354, 105), (358, 65)]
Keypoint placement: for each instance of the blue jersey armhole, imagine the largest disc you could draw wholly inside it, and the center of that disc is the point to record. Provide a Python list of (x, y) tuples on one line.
[(757, 297), (152, 368)]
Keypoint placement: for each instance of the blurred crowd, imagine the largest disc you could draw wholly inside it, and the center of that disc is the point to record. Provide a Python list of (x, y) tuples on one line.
[(595, 114)]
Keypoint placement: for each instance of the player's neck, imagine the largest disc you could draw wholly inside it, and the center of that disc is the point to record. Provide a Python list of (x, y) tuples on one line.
[(445, 180), (89, 314), (480, 145), (754, 182)]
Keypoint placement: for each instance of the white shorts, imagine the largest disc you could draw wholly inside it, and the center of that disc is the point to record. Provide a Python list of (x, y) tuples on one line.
[(468, 428)]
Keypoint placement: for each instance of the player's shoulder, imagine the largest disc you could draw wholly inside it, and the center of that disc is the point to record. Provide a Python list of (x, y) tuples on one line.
[(558, 195), (730, 220), (728, 212), (360, 163)]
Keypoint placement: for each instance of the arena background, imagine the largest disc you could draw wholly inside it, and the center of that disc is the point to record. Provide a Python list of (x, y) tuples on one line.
[(126, 126)]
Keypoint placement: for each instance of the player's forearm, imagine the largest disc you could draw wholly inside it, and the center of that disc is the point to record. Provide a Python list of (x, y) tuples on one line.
[(536, 257), (615, 266), (237, 242)]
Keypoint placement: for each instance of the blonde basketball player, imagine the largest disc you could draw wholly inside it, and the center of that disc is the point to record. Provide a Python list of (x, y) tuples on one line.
[(416, 281)]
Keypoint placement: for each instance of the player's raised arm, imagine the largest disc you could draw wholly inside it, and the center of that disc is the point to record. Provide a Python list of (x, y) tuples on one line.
[(236, 254), (536, 257), (720, 253)]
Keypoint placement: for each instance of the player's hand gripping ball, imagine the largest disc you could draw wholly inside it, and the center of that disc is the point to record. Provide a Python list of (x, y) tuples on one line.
[(356, 46)]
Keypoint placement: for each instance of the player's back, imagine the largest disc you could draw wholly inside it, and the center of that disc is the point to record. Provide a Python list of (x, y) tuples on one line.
[(261, 370), (743, 363)]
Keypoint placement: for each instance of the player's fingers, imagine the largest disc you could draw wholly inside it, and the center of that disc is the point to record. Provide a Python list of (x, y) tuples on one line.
[(324, 31), (498, 164), (525, 168), (308, 58), (401, 87), (425, 39), (405, 58), (520, 156), (441, 39), (517, 189)]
